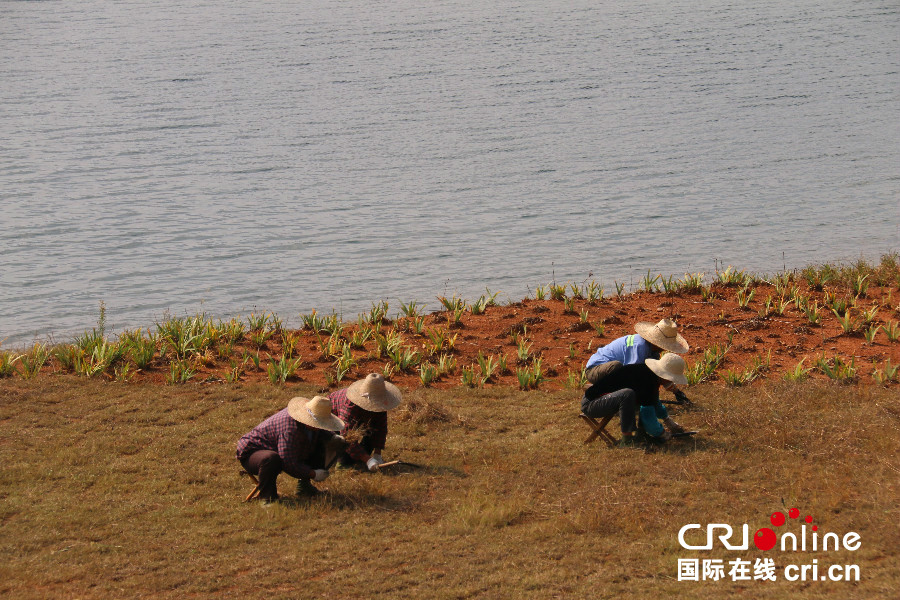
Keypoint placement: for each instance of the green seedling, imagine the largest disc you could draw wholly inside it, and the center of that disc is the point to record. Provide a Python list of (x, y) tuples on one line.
[(583, 316), (620, 289), (467, 376), (703, 369), (847, 322), (235, 371), (817, 278), (593, 291), (812, 312), (860, 285), (180, 371), (557, 292), (891, 330), (428, 373), (669, 285), (478, 307), (523, 350), (837, 370), (886, 374), (259, 337), (650, 284), (572, 352), (869, 316), (34, 360), (410, 309), (600, 328), (281, 370), (744, 297), (446, 364), (870, 332), (732, 277), (798, 373), (569, 306), (692, 282), (576, 380), (452, 304), (540, 293), (454, 317), (530, 377), (360, 337), (487, 366), (8, 362), (258, 322), (577, 291), (766, 309)]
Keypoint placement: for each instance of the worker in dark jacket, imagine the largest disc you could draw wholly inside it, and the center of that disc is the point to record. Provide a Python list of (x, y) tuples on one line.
[(298, 440), (363, 408), (633, 388)]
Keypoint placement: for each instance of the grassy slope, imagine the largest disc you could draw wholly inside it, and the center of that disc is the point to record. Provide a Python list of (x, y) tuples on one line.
[(113, 490)]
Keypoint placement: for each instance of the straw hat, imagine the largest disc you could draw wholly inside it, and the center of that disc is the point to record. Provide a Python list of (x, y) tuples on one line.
[(670, 367), (663, 334), (374, 393), (315, 413)]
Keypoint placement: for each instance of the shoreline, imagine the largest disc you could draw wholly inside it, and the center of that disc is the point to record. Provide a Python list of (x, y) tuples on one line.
[(829, 321)]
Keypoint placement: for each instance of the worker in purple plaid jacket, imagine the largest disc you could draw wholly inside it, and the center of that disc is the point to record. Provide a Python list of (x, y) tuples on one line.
[(363, 406), (299, 440)]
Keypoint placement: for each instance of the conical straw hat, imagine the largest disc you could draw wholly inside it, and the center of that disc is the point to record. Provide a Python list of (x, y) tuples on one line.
[(315, 413), (664, 335), (374, 393)]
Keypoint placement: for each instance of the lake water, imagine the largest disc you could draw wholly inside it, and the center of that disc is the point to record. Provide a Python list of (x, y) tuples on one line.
[(230, 157)]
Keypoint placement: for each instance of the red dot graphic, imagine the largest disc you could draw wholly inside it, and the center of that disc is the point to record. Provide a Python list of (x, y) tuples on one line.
[(794, 513), (809, 518), (815, 527), (777, 519), (765, 538)]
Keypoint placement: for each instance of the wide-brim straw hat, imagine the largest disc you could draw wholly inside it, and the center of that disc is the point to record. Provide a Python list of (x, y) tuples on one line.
[(374, 393), (315, 413), (670, 367), (664, 335)]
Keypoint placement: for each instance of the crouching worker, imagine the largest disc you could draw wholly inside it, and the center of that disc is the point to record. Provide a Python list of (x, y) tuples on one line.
[(648, 343), (631, 389), (363, 408), (298, 440)]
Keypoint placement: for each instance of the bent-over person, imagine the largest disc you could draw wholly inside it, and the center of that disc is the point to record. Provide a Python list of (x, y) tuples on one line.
[(630, 389), (648, 343), (363, 407), (299, 440)]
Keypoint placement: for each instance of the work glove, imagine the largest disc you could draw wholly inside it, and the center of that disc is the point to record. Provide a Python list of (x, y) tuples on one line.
[(320, 475), (681, 397), (372, 464)]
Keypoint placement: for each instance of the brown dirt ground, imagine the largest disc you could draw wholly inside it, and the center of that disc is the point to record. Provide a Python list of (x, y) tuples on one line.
[(565, 343)]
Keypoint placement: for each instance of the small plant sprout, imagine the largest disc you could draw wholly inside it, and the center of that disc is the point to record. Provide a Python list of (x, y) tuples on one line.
[(502, 368), (360, 337), (410, 309), (744, 297), (870, 332), (798, 373), (600, 328), (869, 316), (478, 307), (428, 373), (258, 322), (490, 297), (766, 309), (235, 370), (692, 282), (377, 313), (487, 365), (467, 377), (451, 304), (669, 285), (593, 291), (279, 371), (530, 377), (540, 293), (847, 322), (650, 284), (572, 352), (812, 312), (557, 292), (577, 291), (523, 350), (33, 360), (706, 366), (837, 369), (860, 285), (446, 364), (583, 316), (891, 330), (569, 306), (886, 374), (620, 289), (576, 380), (180, 371)]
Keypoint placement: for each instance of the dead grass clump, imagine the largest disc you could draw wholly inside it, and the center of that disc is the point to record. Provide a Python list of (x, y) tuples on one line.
[(422, 410)]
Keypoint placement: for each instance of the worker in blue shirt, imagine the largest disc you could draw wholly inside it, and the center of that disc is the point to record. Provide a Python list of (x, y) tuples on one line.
[(647, 344)]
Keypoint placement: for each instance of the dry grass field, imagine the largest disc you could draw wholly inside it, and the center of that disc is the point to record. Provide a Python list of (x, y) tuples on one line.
[(114, 490)]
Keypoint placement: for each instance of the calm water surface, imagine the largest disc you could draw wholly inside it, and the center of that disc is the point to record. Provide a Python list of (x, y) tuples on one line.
[(231, 157)]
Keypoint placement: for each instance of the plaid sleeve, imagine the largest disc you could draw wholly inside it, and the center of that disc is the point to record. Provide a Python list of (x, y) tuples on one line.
[(292, 444)]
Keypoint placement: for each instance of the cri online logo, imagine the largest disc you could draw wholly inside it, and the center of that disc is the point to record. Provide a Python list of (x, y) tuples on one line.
[(766, 538)]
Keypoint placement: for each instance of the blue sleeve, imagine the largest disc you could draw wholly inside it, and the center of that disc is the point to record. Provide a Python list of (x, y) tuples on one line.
[(650, 422)]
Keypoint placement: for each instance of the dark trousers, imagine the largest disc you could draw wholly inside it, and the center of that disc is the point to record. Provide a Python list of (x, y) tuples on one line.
[(267, 465), (622, 401)]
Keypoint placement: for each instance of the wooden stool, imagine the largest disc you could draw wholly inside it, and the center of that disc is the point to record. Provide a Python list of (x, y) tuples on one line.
[(598, 429), (253, 494)]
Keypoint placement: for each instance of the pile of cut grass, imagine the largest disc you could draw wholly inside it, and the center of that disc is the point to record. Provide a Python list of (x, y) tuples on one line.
[(113, 490)]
